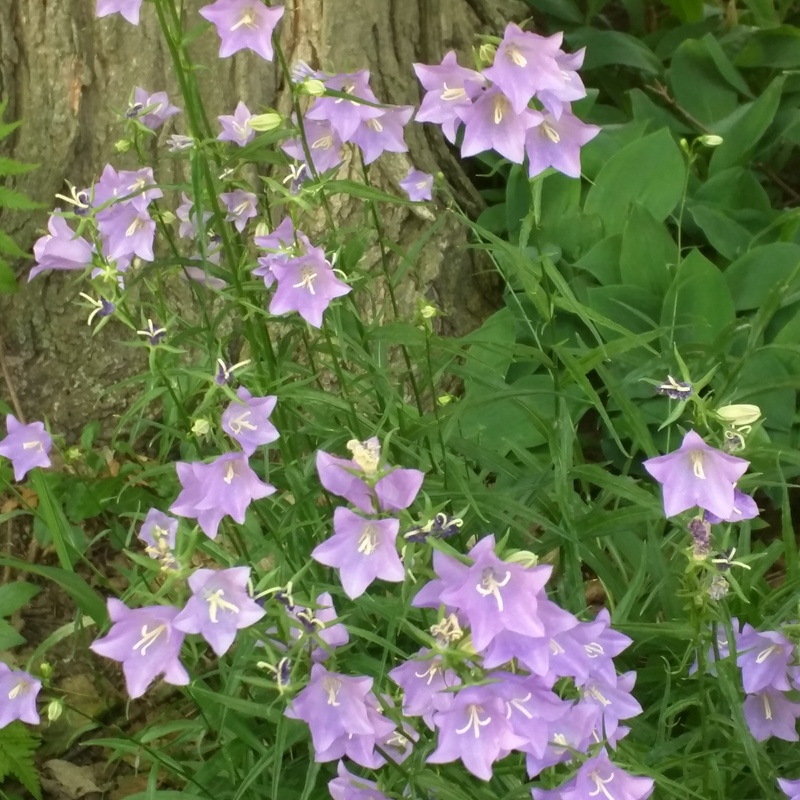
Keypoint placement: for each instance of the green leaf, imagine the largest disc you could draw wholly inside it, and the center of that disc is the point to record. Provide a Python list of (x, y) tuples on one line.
[(687, 10), (17, 745), (727, 237), (15, 595), (750, 125), (650, 172), (8, 166), (8, 279), (10, 247), (561, 9), (16, 201), (698, 305), (753, 276), (614, 47), (9, 637), (649, 255), (603, 259), (633, 307), (778, 48)]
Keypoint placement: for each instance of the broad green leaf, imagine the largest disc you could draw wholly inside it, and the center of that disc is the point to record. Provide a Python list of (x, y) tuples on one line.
[(735, 188), (614, 47), (633, 307), (603, 260), (561, 9), (8, 280), (15, 595), (687, 10), (649, 254), (9, 637), (745, 133), (698, 306), (650, 172), (753, 276), (778, 48), (725, 235)]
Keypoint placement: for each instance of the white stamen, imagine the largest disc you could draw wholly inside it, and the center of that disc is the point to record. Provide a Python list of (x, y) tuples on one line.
[(555, 648), (134, 226), (551, 133), (19, 689), (323, 143), (593, 650), (518, 704), (148, 638), (454, 94), (600, 783), (516, 57), (489, 585), (765, 654), (248, 19), (431, 673), (597, 694), (240, 423), (560, 739), (230, 473), (500, 106), (767, 707), (32, 446), (215, 602), (697, 464), (368, 541), (307, 280), (375, 125), (332, 687), (475, 722)]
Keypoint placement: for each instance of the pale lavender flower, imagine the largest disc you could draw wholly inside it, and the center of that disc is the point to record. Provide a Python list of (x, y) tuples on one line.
[(452, 574), (790, 788), (159, 532), (306, 284), (187, 215), (697, 474), (497, 595), (449, 88), (350, 787), (236, 128), (18, 691), (241, 207), (417, 185), (248, 422), (146, 642), (611, 702), (423, 680), (281, 244), (770, 713), (360, 747), (744, 507), (244, 24), (526, 63), (179, 142), (129, 9), (209, 492), (62, 248), (557, 100), (764, 659), (383, 134), (723, 649), (557, 143), (567, 735), (27, 446), (153, 109), (219, 607), (129, 232), (199, 275), (123, 189), (476, 730), (598, 777), (491, 123), (346, 115), (324, 145), (362, 550), (315, 623)]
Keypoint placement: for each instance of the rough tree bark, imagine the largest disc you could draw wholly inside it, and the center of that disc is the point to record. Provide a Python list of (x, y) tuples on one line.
[(64, 72)]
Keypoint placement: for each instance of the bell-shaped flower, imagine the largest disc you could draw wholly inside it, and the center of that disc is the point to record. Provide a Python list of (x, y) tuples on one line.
[(744, 507), (18, 692), (147, 643), (187, 216), (697, 474), (770, 713), (497, 595), (556, 143), (241, 206), (557, 100), (351, 787), (449, 88), (524, 64), (598, 777), (219, 607), (417, 185), (26, 446), (60, 249), (128, 232), (324, 145), (424, 681), (476, 730), (383, 134), (451, 575), (280, 245), (362, 550), (569, 734), (243, 25), (315, 624), (129, 9), (611, 702), (236, 127), (152, 110), (209, 492), (346, 115), (159, 532), (764, 659), (248, 422), (790, 788)]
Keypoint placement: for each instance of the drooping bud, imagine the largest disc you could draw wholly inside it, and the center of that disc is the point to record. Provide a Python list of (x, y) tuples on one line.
[(266, 122), (313, 87), (710, 140), (739, 415)]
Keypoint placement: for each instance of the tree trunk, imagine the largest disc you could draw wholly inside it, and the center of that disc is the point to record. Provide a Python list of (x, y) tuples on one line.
[(65, 72)]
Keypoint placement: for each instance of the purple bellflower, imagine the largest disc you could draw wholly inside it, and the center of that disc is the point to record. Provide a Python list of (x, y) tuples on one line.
[(159, 533), (219, 606), (417, 185), (187, 216), (315, 623), (423, 681), (598, 777), (129, 232), (572, 88), (236, 127), (241, 207), (557, 143), (491, 123), (18, 691), (744, 507), (497, 595), (350, 787), (27, 446), (281, 246), (611, 702), (764, 659), (360, 747), (475, 729), (146, 642), (697, 474), (383, 134), (209, 492), (790, 788), (61, 248), (248, 422), (569, 734), (362, 550), (449, 88), (152, 110), (306, 284), (324, 145), (723, 648), (129, 9), (244, 25), (771, 713), (346, 115)]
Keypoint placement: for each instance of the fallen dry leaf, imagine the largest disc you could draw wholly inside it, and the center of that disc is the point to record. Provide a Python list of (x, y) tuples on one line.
[(71, 780)]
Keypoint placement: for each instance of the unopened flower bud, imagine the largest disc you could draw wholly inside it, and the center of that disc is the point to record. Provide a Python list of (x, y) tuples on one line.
[(201, 427), (428, 312), (710, 140), (486, 53), (122, 146), (263, 229), (45, 669), (266, 122), (167, 217), (73, 454), (524, 557), (55, 708), (313, 86), (444, 399), (739, 414)]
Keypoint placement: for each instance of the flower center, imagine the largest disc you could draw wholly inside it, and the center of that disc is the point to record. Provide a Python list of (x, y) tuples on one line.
[(32, 446), (518, 703), (243, 207), (555, 648), (323, 143), (248, 20), (516, 57), (310, 622), (551, 133), (243, 129), (19, 689), (593, 650), (230, 473), (148, 638), (332, 687), (453, 95), (500, 106), (134, 226), (600, 784), (598, 695), (474, 721), (240, 423), (307, 276), (697, 464), (368, 541), (375, 125), (430, 674), (767, 707), (216, 603), (489, 585), (766, 653), (561, 740), (367, 455)]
